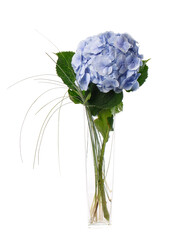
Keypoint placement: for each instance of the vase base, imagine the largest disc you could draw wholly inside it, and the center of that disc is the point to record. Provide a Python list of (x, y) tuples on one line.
[(98, 224)]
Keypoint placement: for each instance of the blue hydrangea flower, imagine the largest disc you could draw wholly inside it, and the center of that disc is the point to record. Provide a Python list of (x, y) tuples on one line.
[(109, 60)]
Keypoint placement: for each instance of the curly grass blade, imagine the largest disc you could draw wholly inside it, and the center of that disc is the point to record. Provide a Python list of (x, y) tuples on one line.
[(34, 76), (42, 130), (50, 80), (42, 127), (25, 117), (48, 104), (58, 131)]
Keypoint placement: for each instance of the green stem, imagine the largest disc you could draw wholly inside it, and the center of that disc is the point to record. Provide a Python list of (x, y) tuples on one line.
[(98, 155), (101, 179), (94, 141)]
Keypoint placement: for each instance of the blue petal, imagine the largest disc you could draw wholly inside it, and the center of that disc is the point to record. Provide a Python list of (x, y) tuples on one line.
[(76, 61), (133, 62), (135, 86), (122, 43), (84, 82), (108, 85)]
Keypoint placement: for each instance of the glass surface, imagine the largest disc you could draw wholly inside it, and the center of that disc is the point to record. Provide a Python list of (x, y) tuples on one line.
[(99, 177)]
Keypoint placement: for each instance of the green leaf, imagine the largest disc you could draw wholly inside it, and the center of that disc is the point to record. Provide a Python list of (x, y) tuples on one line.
[(74, 96), (100, 100), (144, 73), (87, 97), (117, 108), (64, 68), (104, 122)]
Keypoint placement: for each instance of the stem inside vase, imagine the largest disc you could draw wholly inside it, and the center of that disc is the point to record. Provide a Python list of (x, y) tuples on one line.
[(100, 205)]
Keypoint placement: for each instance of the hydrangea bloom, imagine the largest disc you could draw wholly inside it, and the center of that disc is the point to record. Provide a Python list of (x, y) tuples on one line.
[(109, 60)]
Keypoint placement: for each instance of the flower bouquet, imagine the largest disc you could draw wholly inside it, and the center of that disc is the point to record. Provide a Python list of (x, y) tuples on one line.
[(96, 75)]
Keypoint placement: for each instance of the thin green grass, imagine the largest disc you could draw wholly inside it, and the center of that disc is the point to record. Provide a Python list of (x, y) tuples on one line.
[(25, 117)]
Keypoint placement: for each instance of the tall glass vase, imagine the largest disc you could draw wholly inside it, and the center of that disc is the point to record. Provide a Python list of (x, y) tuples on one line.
[(99, 173)]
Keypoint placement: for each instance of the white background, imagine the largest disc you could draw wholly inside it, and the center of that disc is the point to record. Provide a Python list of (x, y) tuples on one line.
[(41, 203)]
